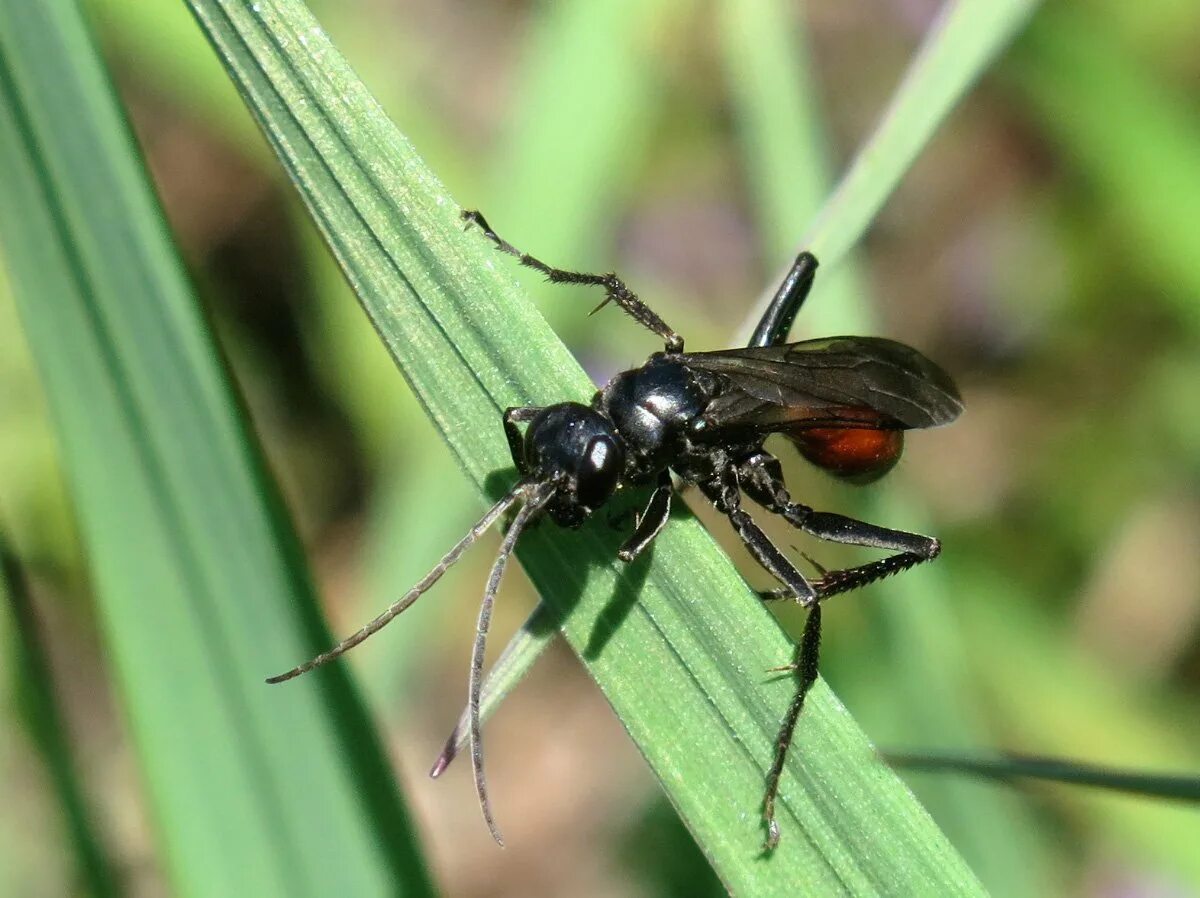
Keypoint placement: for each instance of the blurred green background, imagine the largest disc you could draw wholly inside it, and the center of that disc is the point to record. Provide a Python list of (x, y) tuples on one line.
[(1045, 250)]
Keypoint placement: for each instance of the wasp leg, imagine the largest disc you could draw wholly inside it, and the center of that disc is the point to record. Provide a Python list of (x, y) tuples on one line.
[(516, 444), (777, 320), (614, 288), (762, 481), (723, 491), (806, 666), (652, 520)]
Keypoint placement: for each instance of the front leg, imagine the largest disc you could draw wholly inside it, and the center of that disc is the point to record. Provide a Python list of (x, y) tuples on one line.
[(513, 416), (723, 492), (614, 288), (652, 520), (762, 480)]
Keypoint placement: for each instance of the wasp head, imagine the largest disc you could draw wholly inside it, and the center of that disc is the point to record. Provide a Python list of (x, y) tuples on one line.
[(576, 448)]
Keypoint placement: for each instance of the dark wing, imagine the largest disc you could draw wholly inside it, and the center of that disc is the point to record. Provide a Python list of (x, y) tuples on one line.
[(774, 386)]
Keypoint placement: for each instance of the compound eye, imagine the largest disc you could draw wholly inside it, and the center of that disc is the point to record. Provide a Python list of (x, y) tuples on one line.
[(599, 470), (855, 454)]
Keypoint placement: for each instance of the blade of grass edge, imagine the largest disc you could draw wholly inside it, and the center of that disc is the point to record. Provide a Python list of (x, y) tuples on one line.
[(683, 675), (1064, 771)]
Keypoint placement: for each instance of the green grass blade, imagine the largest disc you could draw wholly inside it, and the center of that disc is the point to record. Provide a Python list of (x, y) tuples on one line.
[(43, 717), (198, 578), (778, 124), (1134, 137), (962, 43), (1010, 768), (677, 642)]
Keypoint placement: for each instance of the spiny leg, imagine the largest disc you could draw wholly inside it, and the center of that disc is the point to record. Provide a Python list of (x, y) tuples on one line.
[(911, 549), (615, 289), (535, 503), (770, 595), (762, 480), (777, 321), (723, 492), (806, 664), (652, 520)]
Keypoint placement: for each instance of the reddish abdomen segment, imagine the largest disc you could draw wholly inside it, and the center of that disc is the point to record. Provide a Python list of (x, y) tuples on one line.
[(856, 454)]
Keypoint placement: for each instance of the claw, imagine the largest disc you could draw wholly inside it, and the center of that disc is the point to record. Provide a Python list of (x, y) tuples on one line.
[(772, 841)]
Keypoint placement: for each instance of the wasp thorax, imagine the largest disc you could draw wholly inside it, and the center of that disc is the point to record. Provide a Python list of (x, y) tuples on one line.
[(652, 408), (574, 446)]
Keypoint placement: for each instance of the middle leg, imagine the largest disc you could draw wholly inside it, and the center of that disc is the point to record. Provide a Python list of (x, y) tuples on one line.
[(651, 521), (723, 491)]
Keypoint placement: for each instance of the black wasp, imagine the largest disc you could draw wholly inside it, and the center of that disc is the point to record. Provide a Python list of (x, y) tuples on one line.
[(845, 403)]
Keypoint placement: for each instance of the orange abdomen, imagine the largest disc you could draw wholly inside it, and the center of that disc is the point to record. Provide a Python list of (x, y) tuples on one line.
[(856, 454)]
